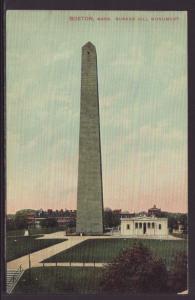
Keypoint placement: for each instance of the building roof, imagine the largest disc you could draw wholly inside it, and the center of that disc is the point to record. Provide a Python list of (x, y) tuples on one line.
[(143, 218), (154, 208)]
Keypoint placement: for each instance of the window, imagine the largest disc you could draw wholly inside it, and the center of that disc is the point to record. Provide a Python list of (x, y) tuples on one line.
[(148, 225), (159, 226), (136, 225), (152, 225), (128, 226), (140, 225)]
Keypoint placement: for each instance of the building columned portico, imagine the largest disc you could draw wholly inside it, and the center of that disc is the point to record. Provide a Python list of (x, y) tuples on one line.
[(144, 225)]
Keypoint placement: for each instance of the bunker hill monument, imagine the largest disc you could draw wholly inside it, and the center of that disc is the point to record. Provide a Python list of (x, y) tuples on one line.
[(89, 189)]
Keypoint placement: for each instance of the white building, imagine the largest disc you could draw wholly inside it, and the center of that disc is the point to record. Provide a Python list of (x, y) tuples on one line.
[(144, 225)]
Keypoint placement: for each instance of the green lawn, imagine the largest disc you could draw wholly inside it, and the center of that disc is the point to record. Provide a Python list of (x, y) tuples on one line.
[(33, 231), (59, 280), (104, 250), (19, 246)]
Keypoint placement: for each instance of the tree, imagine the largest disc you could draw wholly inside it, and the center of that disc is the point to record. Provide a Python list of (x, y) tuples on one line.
[(172, 222), (108, 222), (21, 218), (178, 273), (110, 218), (25, 212), (174, 219), (135, 270), (184, 221), (10, 224), (20, 221)]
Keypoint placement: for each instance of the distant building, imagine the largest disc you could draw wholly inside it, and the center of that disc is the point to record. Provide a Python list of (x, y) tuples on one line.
[(117, 211), (37, 221), (154, 211), (40, 212), (63, 217), (144, 225), (126, 214), (49, 212), (63, 221)]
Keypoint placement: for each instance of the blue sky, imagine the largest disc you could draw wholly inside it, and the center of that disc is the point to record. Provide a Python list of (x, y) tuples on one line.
[(142, 74)]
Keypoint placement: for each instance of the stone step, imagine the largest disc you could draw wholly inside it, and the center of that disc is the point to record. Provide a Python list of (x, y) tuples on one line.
[(12, 278)]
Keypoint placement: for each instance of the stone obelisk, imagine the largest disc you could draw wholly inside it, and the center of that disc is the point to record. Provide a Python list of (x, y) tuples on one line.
[(89, 189)]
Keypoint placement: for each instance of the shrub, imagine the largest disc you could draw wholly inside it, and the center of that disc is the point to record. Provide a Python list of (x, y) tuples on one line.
[(178, 273), (136, 270)]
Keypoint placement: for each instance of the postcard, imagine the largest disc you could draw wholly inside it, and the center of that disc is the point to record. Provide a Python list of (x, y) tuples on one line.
[(96, 152)]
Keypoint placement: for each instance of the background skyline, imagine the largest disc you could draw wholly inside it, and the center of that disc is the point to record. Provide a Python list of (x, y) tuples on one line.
[(142, 76)]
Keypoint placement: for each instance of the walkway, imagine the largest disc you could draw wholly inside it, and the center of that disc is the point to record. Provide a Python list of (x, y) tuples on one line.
[(43, 254), (60, 235), (38, 256)]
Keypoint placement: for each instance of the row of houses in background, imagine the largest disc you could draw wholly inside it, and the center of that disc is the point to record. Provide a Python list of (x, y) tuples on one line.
[(177, 222), (62, 217)]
